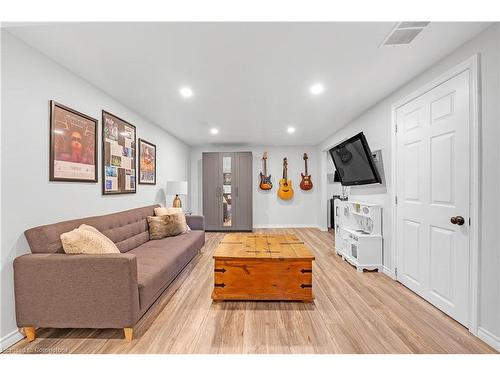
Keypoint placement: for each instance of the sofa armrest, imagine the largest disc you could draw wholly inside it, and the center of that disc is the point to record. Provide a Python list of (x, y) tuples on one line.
[(76, 291), (195, 222)]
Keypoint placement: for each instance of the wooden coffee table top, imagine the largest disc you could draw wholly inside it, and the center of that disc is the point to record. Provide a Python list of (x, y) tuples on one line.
[(262, 246)]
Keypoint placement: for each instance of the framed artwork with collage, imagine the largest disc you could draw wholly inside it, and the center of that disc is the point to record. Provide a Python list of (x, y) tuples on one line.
[(147, 162), (73, 145), (118, 155)]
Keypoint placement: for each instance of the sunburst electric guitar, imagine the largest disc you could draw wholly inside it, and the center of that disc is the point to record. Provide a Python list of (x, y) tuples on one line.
[(306, 183), (285, 191), (265, 180)]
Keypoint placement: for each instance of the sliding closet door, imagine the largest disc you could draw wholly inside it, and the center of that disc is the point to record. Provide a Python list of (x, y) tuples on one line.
[(242, 195), (212, 193)]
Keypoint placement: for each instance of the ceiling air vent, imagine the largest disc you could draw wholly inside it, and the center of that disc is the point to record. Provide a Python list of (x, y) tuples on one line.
[(404, 33)]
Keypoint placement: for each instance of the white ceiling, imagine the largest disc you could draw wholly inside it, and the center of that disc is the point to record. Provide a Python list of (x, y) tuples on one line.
[(250, 80)]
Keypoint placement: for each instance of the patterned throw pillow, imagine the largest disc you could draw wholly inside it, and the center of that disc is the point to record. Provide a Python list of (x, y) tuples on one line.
[(166, 225), (87, 240), (160, 211)]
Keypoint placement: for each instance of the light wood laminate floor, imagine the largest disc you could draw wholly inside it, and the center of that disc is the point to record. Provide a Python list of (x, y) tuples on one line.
[(352, 313)]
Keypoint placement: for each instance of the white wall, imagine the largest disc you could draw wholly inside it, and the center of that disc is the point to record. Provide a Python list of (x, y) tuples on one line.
[(29, 81), (268, 209), (376, 124)]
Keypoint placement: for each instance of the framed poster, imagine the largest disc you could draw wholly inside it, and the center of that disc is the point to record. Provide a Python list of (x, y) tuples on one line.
[(118, 155), (147, 162), (73, 145)]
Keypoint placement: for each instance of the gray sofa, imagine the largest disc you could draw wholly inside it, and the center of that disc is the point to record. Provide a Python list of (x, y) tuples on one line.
[(58, 290)]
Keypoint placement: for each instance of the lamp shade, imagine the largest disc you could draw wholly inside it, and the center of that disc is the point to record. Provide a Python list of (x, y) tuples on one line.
[(177, 187)]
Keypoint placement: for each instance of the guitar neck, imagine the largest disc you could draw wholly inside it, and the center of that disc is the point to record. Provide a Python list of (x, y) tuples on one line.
[(306, 166), (265, 167)]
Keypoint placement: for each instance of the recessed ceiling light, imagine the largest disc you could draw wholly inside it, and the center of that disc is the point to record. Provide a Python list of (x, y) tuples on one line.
[(214, 131), (290, 130), (317, 89), (186, 92)]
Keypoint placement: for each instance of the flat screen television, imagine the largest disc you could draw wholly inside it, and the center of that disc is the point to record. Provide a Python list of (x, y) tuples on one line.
[(354, 162)]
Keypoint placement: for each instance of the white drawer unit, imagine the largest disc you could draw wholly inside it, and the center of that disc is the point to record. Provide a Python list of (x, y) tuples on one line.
[(358, 237)]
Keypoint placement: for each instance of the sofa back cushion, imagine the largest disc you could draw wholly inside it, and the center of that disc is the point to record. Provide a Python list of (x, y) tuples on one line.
[(127, 229)]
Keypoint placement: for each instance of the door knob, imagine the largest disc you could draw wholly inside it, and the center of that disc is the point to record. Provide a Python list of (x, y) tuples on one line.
[(458, 220)]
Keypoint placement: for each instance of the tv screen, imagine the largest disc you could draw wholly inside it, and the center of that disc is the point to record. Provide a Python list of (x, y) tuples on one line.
[(354, 162)]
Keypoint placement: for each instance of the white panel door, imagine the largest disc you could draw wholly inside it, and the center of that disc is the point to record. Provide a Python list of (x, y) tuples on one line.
[(432, 188)]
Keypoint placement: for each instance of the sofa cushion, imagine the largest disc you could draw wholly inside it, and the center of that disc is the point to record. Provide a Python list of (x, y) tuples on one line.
[(127, 229), (159, 261)]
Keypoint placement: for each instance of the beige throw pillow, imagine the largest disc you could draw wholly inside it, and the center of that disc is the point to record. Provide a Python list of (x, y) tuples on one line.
[(87, 240), (166, 225), (160, 211)]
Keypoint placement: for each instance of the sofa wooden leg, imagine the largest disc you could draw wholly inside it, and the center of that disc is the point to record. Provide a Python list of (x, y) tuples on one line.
[(129, 332), (30, 333)]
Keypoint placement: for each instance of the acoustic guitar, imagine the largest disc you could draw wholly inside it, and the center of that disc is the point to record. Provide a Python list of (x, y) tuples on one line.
[(265, 180), (306, 183), (285, 191)]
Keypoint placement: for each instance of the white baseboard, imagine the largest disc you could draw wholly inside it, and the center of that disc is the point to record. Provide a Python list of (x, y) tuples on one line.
[(280, 226), (389, 272), (10, 339), (489, 338)]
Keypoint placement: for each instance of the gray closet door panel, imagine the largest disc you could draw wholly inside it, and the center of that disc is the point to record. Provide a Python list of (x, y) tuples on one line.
[(243, 191), (211, 191)]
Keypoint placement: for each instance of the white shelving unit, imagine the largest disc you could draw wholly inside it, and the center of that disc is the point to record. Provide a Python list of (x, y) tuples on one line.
[(358, 234)]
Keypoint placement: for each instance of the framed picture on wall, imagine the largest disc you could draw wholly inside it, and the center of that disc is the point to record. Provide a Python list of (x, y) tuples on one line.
[(118, 155), (73, 145), (147, 162)]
